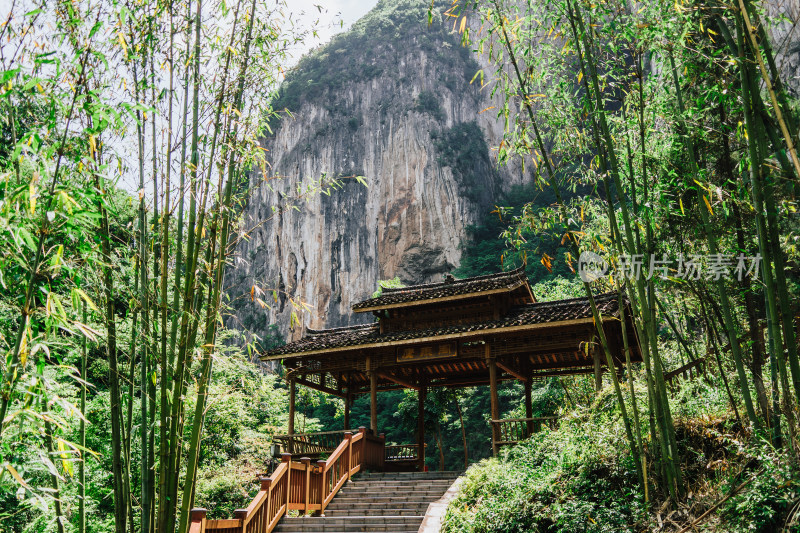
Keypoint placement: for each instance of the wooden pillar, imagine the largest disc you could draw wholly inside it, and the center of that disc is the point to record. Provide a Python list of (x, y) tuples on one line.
[(373, 402), (292, 388), (348, 400), (495, 404), (598, 369), (529, 405), (421, 426)]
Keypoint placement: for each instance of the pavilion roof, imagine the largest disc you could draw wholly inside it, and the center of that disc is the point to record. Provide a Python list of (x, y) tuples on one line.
[(449, 289), (550, 313)]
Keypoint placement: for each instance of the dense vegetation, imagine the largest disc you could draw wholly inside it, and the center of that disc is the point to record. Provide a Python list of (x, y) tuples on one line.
[(111, 304), (675, 118), (661, 131)]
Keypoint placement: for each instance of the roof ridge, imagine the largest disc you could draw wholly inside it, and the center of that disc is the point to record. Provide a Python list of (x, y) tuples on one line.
[(355, 327), (496, 275), (566, 301)]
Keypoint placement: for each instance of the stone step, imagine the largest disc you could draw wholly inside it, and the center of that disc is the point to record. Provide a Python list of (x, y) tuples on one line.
[(408, 475), (392, 502), (343, 499), (350, 523), (376, 512), (361, 483), (377, 491), (377, 505), (382, 509)]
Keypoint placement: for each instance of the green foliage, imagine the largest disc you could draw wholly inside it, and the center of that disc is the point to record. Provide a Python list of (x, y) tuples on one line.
[(574, 479), (486, 251), (427, 102), (464, 150), (393, 283), (762, 506)]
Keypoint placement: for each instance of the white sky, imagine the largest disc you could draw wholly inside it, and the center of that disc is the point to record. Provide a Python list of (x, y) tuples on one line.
[(333, 13)]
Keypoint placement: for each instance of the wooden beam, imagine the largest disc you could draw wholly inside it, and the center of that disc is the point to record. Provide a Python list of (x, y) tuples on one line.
[(671, 375), (316, 386), (517, 374), (399, 381), (480, 333)]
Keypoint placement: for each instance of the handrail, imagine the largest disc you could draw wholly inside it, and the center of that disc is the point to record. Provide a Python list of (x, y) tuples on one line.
[(515, 430), (314, 434), (402, 452), (310, 443), (534, 419), (299, 486), (669, 376)]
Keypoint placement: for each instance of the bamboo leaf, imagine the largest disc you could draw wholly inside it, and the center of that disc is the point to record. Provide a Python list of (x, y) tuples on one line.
[(86, 299), (708, 204), (65, 461), (16, 476)]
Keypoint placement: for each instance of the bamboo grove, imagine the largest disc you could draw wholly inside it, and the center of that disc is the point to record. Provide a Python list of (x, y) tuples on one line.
[(156, 95), (675, 114)]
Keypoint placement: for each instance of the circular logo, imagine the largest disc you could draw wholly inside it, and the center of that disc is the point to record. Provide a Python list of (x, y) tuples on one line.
[(591, 267)]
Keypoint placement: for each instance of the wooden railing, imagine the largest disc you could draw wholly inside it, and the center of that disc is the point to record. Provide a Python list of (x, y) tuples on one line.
[(402, 452), (300, 486), (685, 370), (312, 444), (514, 430)]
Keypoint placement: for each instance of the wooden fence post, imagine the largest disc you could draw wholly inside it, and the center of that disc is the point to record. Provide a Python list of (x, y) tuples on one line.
[(287, 458), (323, 488), (241, 514), (198, 514), (307, 465), (382, 456), (349, 438)]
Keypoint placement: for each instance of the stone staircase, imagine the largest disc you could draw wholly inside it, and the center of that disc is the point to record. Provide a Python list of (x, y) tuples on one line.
[(389, 502)]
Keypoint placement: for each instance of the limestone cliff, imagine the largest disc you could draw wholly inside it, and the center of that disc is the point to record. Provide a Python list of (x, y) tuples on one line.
[(390, 100)]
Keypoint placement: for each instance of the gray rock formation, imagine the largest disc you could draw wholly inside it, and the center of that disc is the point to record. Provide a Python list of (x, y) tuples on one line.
[(390, 100), (783, 23)]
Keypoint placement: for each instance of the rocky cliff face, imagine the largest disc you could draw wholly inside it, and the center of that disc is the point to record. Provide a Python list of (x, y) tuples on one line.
[(391, 100), (784, 31)]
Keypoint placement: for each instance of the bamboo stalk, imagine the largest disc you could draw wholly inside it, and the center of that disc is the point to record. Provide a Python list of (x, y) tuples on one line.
[(82, 436), (730, 325), (51, 452)]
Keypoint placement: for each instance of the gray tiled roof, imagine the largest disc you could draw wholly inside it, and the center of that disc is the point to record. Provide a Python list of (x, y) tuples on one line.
[(530, 314), (453, 287)]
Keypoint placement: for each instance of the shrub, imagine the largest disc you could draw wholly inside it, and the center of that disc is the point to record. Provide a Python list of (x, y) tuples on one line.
[(427, 102)]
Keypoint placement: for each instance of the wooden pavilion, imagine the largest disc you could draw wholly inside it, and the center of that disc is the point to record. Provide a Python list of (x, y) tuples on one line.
[(457, 333)]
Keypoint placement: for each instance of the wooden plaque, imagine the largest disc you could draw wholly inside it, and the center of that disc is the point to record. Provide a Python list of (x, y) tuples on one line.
[(428, 351)]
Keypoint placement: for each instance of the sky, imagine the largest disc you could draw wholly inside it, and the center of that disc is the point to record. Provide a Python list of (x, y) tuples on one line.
[(334, 12)]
